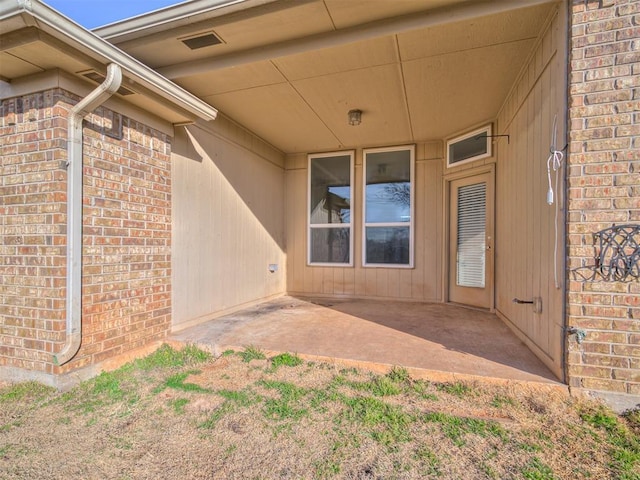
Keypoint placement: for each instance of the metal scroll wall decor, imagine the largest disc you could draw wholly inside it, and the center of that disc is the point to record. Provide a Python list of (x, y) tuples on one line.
[(617, 255)]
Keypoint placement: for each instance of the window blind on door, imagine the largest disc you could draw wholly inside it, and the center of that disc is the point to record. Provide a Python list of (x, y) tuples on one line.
[(472, 201)]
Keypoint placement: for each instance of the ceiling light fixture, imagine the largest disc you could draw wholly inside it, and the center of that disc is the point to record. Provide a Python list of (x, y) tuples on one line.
[(355, 117)]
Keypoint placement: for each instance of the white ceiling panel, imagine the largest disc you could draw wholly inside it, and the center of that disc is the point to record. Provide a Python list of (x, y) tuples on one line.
[(480, 32), (346, 13), (278, 114), (377, 91), (12, 66), (352, 56), (233, 79), (452, 92), (299, 21), (48, 57)]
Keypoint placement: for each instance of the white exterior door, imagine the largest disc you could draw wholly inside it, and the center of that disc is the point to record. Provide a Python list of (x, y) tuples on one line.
[(471, 240)]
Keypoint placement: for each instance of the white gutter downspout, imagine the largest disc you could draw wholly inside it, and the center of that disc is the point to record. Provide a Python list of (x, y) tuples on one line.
[(74, 209)]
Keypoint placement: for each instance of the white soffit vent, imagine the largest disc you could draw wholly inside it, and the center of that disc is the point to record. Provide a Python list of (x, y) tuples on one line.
[(99, 78), (201, 40)]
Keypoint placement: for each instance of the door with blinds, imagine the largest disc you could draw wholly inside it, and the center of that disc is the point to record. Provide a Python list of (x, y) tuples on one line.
[(471, 240)]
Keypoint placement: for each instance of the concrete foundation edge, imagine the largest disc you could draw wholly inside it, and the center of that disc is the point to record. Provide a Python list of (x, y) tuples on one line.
[(618, 402), (67, 381)]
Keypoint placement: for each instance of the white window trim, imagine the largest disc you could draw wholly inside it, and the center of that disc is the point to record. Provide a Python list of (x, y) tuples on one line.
[(484, 130), (310, 157), (365, 224)]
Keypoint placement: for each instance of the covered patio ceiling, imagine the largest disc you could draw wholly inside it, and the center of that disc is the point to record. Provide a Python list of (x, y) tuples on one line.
[(291, 70)]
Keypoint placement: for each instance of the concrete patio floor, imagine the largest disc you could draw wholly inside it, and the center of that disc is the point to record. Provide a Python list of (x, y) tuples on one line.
[(435, 341)]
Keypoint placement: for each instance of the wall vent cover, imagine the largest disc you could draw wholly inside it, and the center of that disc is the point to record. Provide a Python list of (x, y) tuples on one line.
[(99, 78), (201, 41)]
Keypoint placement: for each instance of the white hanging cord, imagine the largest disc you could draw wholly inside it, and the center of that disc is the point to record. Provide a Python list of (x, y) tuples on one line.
[(554, 162)]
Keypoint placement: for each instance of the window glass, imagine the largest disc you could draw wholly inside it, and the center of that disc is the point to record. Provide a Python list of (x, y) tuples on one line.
[(388, 187), (469, 147), (330, 187), (330, 245), (388, 207), (388, 245)]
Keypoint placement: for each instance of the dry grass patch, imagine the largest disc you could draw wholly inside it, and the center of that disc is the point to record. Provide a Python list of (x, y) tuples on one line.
[(184, 414)]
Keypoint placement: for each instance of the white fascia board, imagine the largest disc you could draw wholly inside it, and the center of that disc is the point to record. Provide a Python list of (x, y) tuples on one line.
[(76, 36), (185, 11)]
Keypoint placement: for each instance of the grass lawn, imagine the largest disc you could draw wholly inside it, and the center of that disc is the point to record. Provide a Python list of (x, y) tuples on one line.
[(186, 415)]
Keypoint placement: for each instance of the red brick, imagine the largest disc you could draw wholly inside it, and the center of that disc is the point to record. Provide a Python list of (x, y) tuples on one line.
[(626, 374), (627, 131), (628, 58), (595, 122), (627, 203), (591, 371), (608, 96), (608, 337), (629, 8), (608, 25), (593, 347), (597, 384), (627, 350), (607, 361)]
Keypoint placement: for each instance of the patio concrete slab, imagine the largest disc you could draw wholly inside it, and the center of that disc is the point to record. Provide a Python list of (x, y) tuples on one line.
[(437, 341)]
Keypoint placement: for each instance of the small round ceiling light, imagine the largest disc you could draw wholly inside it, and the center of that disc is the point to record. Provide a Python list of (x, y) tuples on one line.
[(355, 117)]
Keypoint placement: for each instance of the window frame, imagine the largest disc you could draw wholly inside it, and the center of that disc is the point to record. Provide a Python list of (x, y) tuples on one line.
[(486, 129), (412, 164), (310, 226)]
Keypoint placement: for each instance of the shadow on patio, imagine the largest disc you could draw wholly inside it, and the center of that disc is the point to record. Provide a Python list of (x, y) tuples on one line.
[(436, 341)]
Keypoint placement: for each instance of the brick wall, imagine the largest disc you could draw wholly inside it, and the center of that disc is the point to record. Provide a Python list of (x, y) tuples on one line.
[(604, 189), (126, 293), (32, 229)]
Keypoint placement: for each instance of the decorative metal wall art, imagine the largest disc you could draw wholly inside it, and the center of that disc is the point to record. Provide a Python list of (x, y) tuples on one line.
[(617, 255)]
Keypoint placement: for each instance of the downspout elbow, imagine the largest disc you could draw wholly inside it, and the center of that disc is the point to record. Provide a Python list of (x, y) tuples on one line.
[(97, 97), (70, 348)]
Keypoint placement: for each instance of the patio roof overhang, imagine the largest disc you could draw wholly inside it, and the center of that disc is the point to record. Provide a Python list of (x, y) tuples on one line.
[(291, 70)]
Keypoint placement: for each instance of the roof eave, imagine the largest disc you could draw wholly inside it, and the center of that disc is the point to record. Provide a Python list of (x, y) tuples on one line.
[(76, 36), (185, 11)]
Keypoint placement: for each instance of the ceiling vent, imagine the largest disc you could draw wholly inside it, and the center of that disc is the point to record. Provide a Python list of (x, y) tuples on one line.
[(201, 40), (99, 78)]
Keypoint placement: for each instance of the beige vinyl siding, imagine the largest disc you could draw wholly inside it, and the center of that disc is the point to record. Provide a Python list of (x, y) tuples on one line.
[(524, 220), (422, 283), (228, 223)]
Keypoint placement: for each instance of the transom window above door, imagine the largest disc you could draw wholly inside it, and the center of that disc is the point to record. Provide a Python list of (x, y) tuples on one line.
[(469, 147), (330, 232), (388, 207)]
